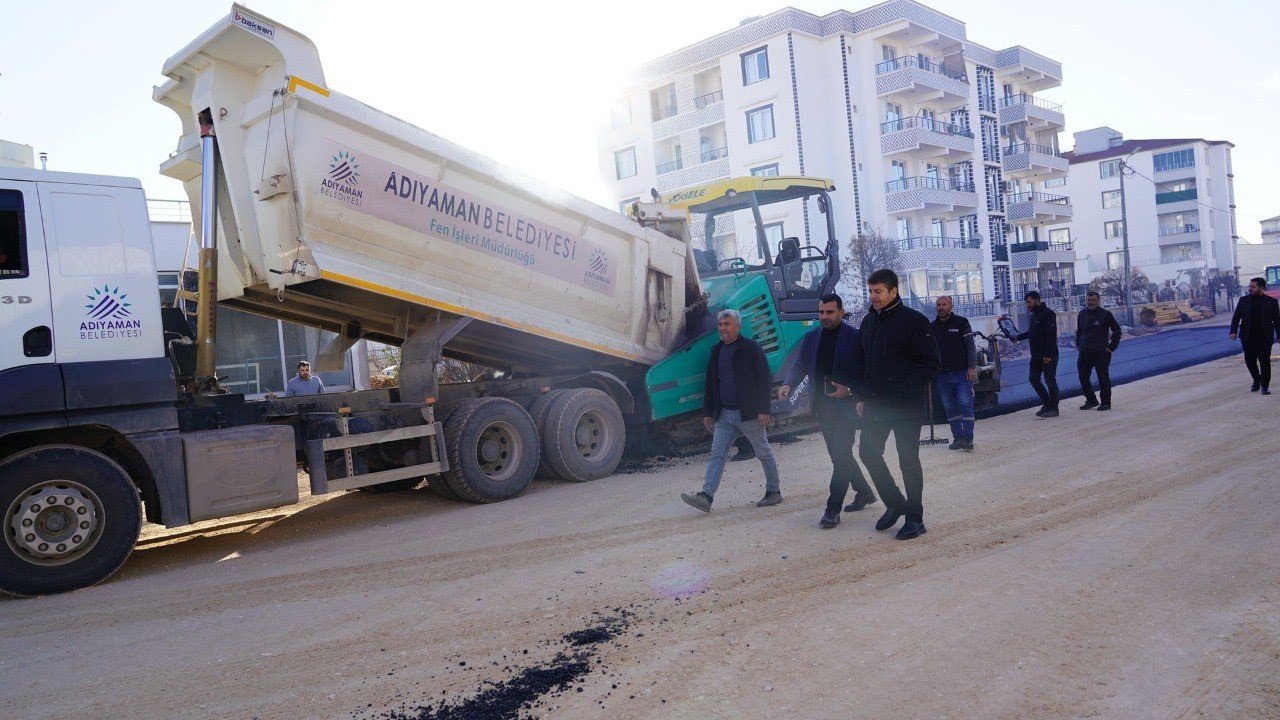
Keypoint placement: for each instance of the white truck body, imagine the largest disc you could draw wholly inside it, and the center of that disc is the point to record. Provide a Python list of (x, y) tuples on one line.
[(334, 213)]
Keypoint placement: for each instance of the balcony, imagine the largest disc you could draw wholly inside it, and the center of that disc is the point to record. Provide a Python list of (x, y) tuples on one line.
[(1033, 208), (928, 193), (1036, 113), (1028, 255), (669, 167), (923, 138), (710, 154), (1029, 69), (708, 100), (1000, 252), (1178, 235), (1024, 160), (938, 243), (1165, 198), (920, 80), (974, 305)]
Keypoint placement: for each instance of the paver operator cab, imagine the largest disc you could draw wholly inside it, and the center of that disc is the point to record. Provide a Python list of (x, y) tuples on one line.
[(316, 209)]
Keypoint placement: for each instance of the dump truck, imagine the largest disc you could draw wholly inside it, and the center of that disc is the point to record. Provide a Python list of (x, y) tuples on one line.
[(317, 209)]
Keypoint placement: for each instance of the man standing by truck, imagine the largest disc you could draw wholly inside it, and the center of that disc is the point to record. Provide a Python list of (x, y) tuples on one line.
[(736, 402), (827, 358), (1043, 337), (304, 383), (1093, 324), (897, 356), (1256, 323), (959, 371)]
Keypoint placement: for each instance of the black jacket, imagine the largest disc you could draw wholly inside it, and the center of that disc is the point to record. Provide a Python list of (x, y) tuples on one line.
[(955, 343), (750, 371), (1270, 318), (1043, 332), (897, 356), (1092, 327)]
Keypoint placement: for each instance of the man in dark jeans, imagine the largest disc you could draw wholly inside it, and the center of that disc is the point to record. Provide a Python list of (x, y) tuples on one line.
[(896, 357), (959, 371), (1093, 324), (827, 359), (1257, 323), (1043, 335), (736, 401)]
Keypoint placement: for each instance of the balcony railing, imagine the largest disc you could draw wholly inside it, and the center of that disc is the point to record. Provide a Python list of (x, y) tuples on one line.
[(662, 113), (1164, 232), (1179, 165), (1030, 100), (911, 61), (714, 154), (925, 182), (709, 99), (1175, 196), (1042, 246), (169, 210), (931, 242), (1189, 258), (668, 167), (1020, 148), (965, 304), (926, 123), (1022, 197)]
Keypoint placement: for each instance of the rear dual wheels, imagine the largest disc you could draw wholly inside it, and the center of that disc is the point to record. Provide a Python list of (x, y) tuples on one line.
[(492, 445), (583, 434), (71, 518)]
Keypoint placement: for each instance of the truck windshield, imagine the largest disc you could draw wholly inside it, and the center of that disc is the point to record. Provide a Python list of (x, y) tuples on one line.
[(13, 262)]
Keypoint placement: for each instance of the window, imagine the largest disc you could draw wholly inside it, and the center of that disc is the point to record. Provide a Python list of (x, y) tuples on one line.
[(939, 227), (888, 53), (904, 228), (1115, 260), (624, 162), (931, 171), (892, 112), (621, 112), (766, 170), (1111, 199), (13, 241), (168, 282), (1174, 160), (773, 237), (755, 66), (1178, 186), (1055, 182), (626, 204), (760, 124), (1059, 236), (1108, 168), (1113, 229)]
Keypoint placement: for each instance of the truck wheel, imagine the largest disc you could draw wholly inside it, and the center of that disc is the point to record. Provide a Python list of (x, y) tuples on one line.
[(71, 517), (493, 449), (539, 411), (583, 435)]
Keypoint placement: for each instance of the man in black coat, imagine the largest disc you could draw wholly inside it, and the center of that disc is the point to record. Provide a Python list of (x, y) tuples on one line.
[(1256, 323), (1043, 337), (897, 356), (828, 358), (736, 401), (1093, 324)]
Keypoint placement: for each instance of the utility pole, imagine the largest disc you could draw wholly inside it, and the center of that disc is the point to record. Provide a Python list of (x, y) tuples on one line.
[(1124, 235)]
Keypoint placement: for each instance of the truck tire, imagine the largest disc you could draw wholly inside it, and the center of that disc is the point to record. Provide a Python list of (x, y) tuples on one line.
[(538, 410), (583, 435), (71, 518), (493, 449)]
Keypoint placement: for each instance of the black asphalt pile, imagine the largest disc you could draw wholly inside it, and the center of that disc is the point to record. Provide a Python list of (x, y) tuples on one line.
[(526, 692)]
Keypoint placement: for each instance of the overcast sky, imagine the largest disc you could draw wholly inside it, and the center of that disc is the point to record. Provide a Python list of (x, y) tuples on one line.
[(522, 82)]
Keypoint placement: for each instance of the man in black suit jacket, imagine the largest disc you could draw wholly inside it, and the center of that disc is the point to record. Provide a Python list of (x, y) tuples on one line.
[(827, 358), (1256, 323)]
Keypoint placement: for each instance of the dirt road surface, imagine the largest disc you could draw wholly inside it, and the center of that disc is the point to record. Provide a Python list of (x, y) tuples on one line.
[(1101, 565)]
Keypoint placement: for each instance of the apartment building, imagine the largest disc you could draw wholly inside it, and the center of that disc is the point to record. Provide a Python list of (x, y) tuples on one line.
[(1179, 199), (1255, 258), (932, 140)]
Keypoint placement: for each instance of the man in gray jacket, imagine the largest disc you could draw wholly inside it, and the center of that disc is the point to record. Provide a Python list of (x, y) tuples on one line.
[(304, 383)]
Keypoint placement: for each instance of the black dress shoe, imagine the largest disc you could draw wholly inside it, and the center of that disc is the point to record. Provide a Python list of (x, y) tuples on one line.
[(1104, 406), (1049, 413), (888, 519), (829, 519), (1255, 387), (1089, 404), (860, 501), (911, 529), (1041, 412), (1266, 391)]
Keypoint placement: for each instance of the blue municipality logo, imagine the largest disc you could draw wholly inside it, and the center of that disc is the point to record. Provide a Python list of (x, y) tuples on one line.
[(343, 168), (598, 262), (108, 303)]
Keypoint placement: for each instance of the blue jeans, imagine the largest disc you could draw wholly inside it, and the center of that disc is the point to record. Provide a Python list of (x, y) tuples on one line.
[(727, 429), (957, 399)]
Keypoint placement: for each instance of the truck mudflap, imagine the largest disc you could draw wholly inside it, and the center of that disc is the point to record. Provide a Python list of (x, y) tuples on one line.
[(318, 469)]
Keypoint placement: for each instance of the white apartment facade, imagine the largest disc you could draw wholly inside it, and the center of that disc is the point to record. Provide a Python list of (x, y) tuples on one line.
[(930, 139), (1179, 200)]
